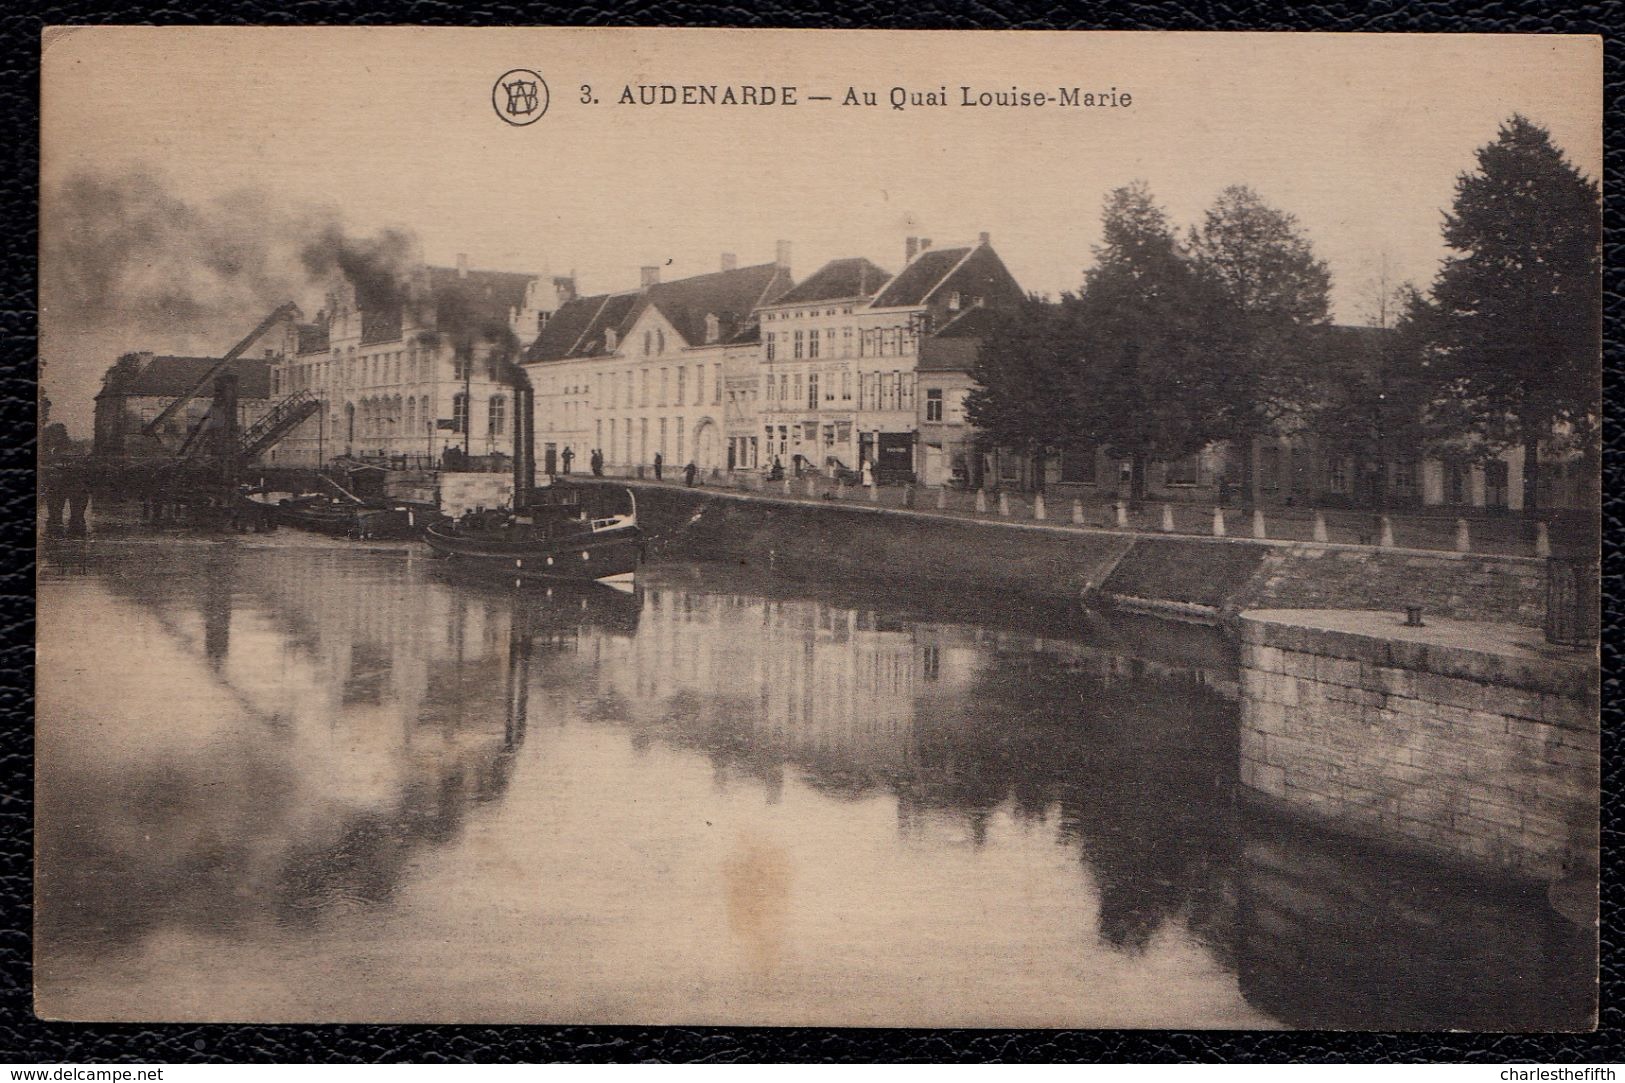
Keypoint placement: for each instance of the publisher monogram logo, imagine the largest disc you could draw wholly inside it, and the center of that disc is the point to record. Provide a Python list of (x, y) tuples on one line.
[(519, 97)]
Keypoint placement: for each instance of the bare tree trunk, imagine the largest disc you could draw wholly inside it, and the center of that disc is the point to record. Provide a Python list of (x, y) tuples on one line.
[(1038, 469), (1136, 478)]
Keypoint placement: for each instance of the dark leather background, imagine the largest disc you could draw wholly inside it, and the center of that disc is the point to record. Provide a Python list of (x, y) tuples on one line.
[(25, 1038)]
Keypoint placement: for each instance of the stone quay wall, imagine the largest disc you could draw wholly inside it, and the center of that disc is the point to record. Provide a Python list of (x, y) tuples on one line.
[(1465, 741), (1179, 576)]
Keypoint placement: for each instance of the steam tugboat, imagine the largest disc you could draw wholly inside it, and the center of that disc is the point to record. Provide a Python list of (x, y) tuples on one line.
[(548, 533)]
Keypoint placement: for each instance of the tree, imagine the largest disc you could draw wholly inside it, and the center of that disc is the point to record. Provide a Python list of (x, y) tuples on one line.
[(1144, 324), (1023, 375), (1276, 292), (1518, 329)]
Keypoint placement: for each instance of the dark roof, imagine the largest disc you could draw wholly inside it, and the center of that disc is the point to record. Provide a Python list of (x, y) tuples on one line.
[(731, 296), (487, 295), (916, 281), (578, 328), (171, 377), (837, 280), (956, 346)]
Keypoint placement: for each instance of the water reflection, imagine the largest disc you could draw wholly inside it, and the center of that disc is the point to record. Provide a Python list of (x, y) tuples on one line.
[(712, 799)]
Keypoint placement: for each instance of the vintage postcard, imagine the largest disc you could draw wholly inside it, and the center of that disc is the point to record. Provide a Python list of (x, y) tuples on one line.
[(830, 528)]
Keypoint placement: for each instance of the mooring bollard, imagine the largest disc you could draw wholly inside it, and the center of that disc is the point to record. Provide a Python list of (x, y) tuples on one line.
[(1077, 513), (1218, 522), (874, 493), (1167, 518), (942, 498), (1464, 538), (1258, 524), (1120, 511), (1543, 540), (981, 501), (1038, 507), (908, 495), (1004, 504), (1386, 540), (1320, 526)]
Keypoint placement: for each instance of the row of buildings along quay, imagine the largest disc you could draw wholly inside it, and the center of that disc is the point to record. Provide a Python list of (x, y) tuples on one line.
[(742, 369)]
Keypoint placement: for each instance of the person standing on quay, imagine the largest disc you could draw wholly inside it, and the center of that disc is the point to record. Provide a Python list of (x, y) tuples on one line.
[(597, 463), (660, 462), (688, 474), (868, 474), (568, 457), (550, 462)]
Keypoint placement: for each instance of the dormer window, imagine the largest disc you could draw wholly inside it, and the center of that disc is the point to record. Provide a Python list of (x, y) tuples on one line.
[(953, 302), (609, 340), (713, 327), (541, 320)]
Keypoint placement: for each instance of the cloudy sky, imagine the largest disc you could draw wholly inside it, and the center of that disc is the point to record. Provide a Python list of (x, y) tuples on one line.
[(1360, 136)]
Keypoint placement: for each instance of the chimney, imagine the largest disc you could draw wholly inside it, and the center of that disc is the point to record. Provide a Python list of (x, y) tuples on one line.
[(911, 248), (462, 265), (984, 239), (729, 261), (783, 256), (650, 276)]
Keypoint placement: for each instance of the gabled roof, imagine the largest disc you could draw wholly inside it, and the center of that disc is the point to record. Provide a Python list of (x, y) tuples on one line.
[(915, 282), (731, 296), (312, 338), (170, 377), (578, 328), (837, 280)]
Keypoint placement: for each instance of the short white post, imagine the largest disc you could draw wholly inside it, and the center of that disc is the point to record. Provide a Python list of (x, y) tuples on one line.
[(874, 493), (1218, 522), (1167, 518), (812, 485), (1038, 507), (787, 487), (1543, 540), (981, 501), (1320, 525), (1004, 504), (1122, 513), (1464, 537), (942, 498), (1077, 513), (1258, 524), (1387, 538)]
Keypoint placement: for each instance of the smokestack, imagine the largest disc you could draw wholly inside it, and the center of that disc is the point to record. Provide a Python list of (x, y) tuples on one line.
[(983, 239), (729, 261), (911, 248), (462, 265), (783, 256), (651, 276), (524, 446)]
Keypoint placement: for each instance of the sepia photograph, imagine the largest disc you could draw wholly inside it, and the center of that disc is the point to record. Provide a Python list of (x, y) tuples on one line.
[(819, 528)]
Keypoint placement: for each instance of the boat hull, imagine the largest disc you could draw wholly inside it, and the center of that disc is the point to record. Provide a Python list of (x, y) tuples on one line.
[(600, 555)]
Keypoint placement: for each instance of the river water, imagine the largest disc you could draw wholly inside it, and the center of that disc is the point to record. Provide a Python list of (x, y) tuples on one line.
[(289, 784)]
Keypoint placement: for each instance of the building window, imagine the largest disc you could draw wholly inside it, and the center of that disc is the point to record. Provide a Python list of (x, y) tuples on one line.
[(772, 343), (643, 389), (905, 391), (1337, 475), (812, 342), (699, 384), (812, 390), (800, 345), (933, 404), (716, 384), (660, 340), (1495, 483), (459, 412), (1455, 484), (663, 387), (846, 386), (648, 343), (680, 441), (1186, 471), (1405, 487), (682, 384), (496, 416)]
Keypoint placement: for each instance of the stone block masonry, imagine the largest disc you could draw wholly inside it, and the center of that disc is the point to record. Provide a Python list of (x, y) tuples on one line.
[(1471, 741)]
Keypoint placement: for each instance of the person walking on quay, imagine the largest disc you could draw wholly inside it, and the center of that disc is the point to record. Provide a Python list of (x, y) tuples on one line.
[(567, 458), (688, 474), (550, 460), (776, 473), (597, 463), (660, 462), (867, 473)]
